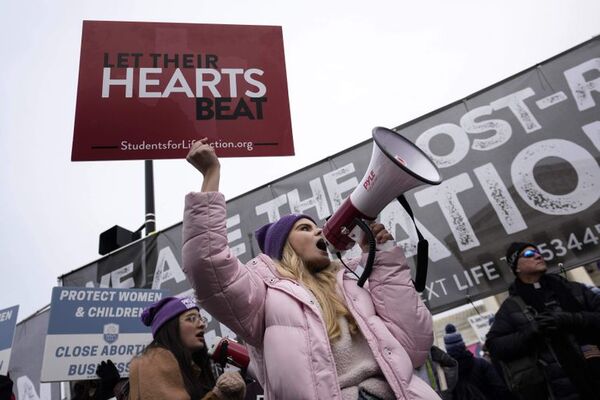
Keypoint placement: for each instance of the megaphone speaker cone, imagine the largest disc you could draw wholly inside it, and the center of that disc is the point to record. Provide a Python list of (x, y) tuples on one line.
[(396, 166), (406, 155)]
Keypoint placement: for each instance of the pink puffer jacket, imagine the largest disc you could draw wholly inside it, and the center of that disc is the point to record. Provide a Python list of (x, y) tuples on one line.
[(282, 324)]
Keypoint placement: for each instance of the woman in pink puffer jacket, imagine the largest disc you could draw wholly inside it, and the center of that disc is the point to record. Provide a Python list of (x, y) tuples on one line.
[(312, 332)]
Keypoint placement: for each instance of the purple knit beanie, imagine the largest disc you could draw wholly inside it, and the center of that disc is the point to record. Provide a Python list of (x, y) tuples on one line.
[(272, 237), (164, 310)]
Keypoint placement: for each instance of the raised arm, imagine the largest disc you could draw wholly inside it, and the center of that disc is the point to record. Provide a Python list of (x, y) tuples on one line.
[(225, 288)]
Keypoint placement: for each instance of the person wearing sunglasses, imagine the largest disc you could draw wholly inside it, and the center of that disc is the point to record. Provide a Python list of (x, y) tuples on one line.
[(545, 335)]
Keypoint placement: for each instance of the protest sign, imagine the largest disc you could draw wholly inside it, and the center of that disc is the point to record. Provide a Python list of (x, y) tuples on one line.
[(149, 90), (8, 321), (481, 324), (90, 325)]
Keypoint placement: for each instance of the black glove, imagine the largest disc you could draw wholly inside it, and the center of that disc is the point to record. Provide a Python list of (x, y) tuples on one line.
[(552, 321), (530, 331), (546, 322), (569, 321), (109, 377), (6, 385)]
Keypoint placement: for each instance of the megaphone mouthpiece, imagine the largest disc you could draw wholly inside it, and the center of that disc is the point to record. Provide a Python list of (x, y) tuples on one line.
[(337, 229), (228, 351)]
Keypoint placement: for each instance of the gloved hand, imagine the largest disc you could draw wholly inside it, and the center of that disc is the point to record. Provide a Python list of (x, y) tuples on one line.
[(552, 321), (546, 322), (6, 385), (230, 386), (530, 332), (569, 321), (109, 376)]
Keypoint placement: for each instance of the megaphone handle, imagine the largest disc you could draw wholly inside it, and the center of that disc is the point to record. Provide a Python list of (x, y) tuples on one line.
[(371, 256), (422, 249), (223, 354)]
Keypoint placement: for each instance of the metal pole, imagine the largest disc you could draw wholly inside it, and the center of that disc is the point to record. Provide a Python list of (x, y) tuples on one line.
[(150, 220), (150, 217)]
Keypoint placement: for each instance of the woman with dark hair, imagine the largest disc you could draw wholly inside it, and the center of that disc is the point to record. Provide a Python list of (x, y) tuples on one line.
[(175, 365)]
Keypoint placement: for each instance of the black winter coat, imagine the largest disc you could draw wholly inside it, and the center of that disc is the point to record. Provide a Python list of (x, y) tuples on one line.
[(481, 374), (513, 335)]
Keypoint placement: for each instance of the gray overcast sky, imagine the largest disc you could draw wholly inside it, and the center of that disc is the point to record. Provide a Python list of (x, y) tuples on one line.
[(351, 65)]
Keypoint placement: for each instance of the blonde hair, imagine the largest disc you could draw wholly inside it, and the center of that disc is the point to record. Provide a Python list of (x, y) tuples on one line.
[(322, 284)]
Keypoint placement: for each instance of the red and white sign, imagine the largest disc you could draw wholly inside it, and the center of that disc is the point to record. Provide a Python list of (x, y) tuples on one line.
[(149, 90)]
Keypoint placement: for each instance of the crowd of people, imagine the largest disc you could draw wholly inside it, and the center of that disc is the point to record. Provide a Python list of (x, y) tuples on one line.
[(348, 342), (313, 333)]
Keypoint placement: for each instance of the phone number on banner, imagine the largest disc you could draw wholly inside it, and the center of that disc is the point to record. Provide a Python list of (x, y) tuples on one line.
[(560, 248)]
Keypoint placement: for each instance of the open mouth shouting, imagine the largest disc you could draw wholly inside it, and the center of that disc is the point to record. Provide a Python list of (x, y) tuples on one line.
[(322, 245)]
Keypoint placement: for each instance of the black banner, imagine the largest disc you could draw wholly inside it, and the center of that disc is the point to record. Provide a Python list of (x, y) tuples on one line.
[(520, 162)]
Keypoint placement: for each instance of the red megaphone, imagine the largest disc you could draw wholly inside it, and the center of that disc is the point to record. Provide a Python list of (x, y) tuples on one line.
[(228, 351)]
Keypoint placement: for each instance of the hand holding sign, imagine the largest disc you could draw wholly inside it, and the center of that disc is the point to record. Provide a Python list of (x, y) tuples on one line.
[(109, 377)]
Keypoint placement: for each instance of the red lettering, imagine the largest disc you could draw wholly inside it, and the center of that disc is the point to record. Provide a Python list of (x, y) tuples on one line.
[(369, 181)]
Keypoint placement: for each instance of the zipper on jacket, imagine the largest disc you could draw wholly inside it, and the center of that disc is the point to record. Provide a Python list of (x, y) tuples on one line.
[(361, 325)]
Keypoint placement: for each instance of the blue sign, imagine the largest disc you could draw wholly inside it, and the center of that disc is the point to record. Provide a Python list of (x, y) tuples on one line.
[(8, 321), (90, 325)]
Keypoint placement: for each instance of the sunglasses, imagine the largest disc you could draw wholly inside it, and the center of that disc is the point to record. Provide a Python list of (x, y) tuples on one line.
[(529, 253)]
